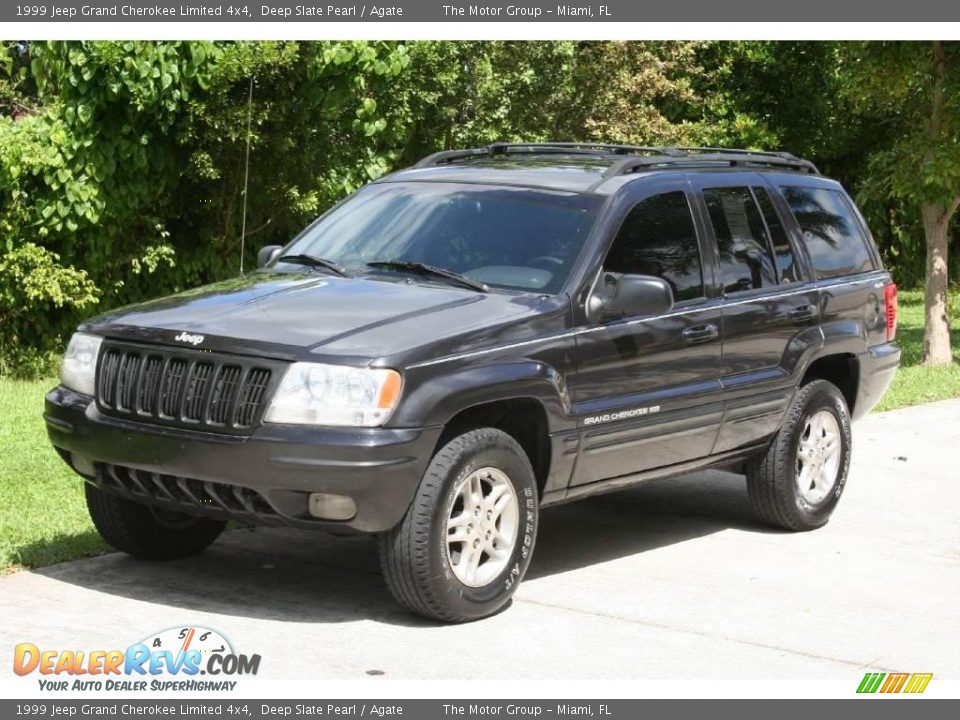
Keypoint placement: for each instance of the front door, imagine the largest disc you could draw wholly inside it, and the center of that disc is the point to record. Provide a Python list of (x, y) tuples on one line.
[(647, 392)]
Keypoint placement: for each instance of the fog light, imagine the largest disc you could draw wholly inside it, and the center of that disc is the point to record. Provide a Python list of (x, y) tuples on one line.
[(332, 507)]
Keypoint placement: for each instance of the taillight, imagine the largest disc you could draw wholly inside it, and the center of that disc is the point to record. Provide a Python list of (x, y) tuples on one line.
[(890, 302)]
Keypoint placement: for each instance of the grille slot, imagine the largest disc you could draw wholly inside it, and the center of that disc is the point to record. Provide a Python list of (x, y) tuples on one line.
[(185, 388), (224, 392), (251, 397), (196, 389), (170, 383), (108, 376), (197, 497), (127, 380), (150, 384)]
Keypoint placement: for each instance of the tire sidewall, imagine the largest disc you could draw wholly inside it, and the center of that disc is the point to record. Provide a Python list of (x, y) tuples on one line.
[(823, 397), (475, 602), (136, 529)]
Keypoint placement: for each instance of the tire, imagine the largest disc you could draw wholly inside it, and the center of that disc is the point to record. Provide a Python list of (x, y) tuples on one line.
[(148, 533), (428, 571), (780, 494)]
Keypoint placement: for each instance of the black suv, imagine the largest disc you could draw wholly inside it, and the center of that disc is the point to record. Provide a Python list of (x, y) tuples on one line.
[(487, 333)]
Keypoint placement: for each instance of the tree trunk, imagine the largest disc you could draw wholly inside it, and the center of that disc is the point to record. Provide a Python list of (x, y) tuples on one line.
[(936, 222), (936, 330)]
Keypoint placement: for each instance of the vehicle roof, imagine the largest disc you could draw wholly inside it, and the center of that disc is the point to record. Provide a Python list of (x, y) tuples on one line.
[(600, 169), (566, 173)]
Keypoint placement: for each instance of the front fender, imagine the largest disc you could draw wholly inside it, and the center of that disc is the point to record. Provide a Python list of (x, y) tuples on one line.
[(433, 396)]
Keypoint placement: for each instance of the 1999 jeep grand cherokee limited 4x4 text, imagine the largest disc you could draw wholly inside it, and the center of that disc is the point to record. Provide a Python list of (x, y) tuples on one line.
[(487, 333)]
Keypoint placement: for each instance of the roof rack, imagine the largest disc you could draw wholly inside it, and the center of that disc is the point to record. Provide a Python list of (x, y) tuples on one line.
[(446, 156), (631, 158)]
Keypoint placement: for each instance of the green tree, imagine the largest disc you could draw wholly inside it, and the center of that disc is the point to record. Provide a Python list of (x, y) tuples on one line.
[(464, 94), (635, 93), (122, 163), (324, 120), (914, 90), (126, 159)]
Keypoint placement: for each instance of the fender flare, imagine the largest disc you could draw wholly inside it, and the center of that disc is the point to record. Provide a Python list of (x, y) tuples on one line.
[(436, 399), (839, 338)]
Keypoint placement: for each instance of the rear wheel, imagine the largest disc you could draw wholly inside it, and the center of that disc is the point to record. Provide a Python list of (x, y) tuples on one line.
[(797, 483), (467, 539), (147, 532)]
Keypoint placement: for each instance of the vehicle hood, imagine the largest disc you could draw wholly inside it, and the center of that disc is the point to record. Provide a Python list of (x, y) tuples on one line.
[(290, 315)]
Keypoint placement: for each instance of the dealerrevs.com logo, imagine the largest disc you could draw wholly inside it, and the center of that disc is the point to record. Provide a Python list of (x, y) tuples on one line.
[(177, 659)]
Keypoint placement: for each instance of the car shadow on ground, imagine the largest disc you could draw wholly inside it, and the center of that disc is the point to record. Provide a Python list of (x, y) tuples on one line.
[(293, 576)]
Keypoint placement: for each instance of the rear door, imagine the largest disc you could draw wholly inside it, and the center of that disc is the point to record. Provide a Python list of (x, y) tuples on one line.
[(647, 392), (845, 263), (770, 308)]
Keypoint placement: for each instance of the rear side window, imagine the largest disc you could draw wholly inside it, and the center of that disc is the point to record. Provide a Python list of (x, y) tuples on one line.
[(745, 260), (658, 238), (782, 252), (835, 240)]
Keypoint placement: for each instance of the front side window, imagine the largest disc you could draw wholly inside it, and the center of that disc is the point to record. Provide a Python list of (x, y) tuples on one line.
[(514, 238), (834, 238), (658, 238), (742, 246)]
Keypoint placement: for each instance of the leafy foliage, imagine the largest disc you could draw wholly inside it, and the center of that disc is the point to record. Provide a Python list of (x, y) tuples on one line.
[(122, 163), (914, 90), (34, 290)]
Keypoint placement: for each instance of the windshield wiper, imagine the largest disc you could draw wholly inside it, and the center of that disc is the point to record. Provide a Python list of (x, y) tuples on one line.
[(426, 269), (314, 262)]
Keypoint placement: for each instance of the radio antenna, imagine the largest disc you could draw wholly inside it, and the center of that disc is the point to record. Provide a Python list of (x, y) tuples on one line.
[(246, 177)]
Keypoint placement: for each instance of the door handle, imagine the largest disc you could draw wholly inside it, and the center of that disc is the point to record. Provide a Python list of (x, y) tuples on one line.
[(701, 334), (803, 313)]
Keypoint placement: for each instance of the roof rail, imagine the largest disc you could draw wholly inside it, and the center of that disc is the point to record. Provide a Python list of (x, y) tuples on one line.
[(728, 158), (446, 156), (631, 158)]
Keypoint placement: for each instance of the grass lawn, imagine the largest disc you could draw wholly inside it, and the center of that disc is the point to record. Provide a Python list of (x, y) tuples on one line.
[(43, 517), (914, 383)]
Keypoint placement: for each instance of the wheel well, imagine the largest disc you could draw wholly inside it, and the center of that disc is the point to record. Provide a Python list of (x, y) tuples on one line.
[(841, 370), (523, 419)]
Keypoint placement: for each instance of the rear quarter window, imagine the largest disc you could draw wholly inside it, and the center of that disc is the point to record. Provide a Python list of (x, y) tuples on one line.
[(834, 238)]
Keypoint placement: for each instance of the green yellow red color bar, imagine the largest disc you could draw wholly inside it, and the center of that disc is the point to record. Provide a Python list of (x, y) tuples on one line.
[(894, 682)]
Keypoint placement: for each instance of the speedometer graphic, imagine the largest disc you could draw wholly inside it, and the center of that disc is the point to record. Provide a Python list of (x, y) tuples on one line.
[(192, 637)]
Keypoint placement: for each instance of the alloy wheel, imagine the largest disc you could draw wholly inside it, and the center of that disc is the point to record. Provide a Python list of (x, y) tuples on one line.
[(482, 526)]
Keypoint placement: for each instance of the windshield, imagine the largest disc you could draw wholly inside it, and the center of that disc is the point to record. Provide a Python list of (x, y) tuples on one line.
[(516, 238)]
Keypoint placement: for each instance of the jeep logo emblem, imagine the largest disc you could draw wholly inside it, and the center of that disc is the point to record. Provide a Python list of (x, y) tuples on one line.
[(186, 337)]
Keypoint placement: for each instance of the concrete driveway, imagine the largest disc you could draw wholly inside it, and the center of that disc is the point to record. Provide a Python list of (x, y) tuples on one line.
[(669, 580)]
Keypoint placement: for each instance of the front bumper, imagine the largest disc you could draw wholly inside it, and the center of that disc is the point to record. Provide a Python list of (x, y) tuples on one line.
[(263, 478)]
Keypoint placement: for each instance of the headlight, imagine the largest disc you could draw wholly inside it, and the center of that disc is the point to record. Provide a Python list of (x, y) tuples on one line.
[(79, 367), (315, 394)]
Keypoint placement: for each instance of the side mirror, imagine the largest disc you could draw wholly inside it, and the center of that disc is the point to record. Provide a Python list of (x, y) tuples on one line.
[(267, 254), (617, 295)]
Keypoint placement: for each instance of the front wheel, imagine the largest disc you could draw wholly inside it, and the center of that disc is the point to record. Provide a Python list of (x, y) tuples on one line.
[(147, 532), (467, 538), (796, 484)]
